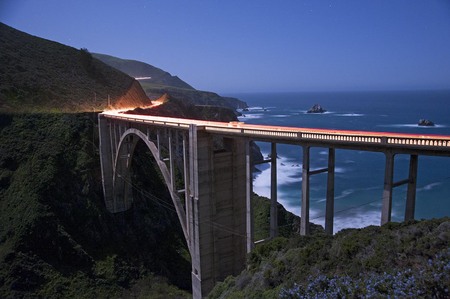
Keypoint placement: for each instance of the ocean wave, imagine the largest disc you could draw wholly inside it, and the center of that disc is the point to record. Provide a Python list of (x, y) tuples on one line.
[(343, 194), (412, 126), (250, 116), (280, 115), (429, 187), (340, 170), (359, 218), (326, 112), (351, 114), (256, 108), (288, 172)]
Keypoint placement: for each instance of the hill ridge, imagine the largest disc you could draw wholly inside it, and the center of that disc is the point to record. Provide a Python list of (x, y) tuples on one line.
[(135, 69), (39, 75)]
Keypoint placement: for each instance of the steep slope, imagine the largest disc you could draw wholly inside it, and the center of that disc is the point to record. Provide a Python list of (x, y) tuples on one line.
[(56, 238), (44, 76), (397, 260), (162, 82), (139, 69)]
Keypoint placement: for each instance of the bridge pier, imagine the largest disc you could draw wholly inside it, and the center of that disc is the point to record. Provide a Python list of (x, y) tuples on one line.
[(306, 174), (389, 185), (273, 192), (304, 220), (248, 199), (329, 209), (412, 186), (106, 158), (218, 213)]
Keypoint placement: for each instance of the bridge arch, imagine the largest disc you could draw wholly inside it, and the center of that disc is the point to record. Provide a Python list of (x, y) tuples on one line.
[(122, 190)]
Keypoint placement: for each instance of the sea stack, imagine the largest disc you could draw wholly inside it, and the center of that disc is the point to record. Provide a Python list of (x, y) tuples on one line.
[(316, 109), (426, 123)]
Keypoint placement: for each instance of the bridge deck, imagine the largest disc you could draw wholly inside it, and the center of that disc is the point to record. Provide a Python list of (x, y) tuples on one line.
[(347, 139)]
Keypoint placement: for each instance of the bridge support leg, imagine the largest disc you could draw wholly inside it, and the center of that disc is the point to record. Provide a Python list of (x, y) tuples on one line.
[(329, 210), (411, 191), (106, 160), (218, 228), (249, 194), (304, 221), (388, 187), (273, 192)]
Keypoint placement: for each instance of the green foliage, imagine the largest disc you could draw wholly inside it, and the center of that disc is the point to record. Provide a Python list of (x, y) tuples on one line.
[(56, 238), (264, 251), (354, 262), (37, 75)]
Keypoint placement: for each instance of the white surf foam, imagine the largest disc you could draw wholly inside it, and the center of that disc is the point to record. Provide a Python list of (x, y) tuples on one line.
[(429, 187), (350, 114), (411, 126)]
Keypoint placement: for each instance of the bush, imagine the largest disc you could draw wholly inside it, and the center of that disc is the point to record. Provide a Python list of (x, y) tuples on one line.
[(432, 281)]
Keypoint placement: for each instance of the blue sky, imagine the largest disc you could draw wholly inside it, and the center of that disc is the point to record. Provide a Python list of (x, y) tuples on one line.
[(247, 46)]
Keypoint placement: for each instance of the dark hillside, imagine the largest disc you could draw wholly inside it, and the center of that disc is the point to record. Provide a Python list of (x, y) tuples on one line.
[(139, 69), (196, 97), (162, 82), (56, 237), (38, 75)]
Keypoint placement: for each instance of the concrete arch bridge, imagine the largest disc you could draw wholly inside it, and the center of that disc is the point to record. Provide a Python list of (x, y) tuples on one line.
[(213, 203)]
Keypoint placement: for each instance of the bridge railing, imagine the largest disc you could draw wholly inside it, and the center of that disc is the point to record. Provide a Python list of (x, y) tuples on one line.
[(439, 142)]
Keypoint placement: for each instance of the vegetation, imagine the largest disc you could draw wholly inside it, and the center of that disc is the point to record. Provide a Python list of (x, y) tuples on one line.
[(160, 82), (38, 75), (137, 69), (58, 240), (406, 260)]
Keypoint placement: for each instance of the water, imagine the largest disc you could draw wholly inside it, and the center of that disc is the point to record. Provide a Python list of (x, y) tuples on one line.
[(359, 175)]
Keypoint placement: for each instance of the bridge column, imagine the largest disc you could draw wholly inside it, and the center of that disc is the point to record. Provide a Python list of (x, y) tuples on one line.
[(273, 192), (249, 194), (388, 187), (218, 210), (304, 221), (106, 159), (411, 191), (329, 210)]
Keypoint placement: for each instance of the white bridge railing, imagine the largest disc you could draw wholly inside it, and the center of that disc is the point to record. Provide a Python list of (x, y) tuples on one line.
[(280, 134)]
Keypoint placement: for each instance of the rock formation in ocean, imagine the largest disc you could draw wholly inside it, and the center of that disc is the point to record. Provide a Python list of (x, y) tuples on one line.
[(426, 123), (316, 109)]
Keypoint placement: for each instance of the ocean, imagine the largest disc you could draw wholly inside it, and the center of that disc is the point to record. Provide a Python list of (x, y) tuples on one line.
[(359, 175)]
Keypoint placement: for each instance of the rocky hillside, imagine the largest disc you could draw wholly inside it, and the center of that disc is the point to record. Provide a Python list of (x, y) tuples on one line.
[(161, 83), (38, 75)]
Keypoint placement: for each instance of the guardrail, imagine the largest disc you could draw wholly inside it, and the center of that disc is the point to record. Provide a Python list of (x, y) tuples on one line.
[(439, 142)]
